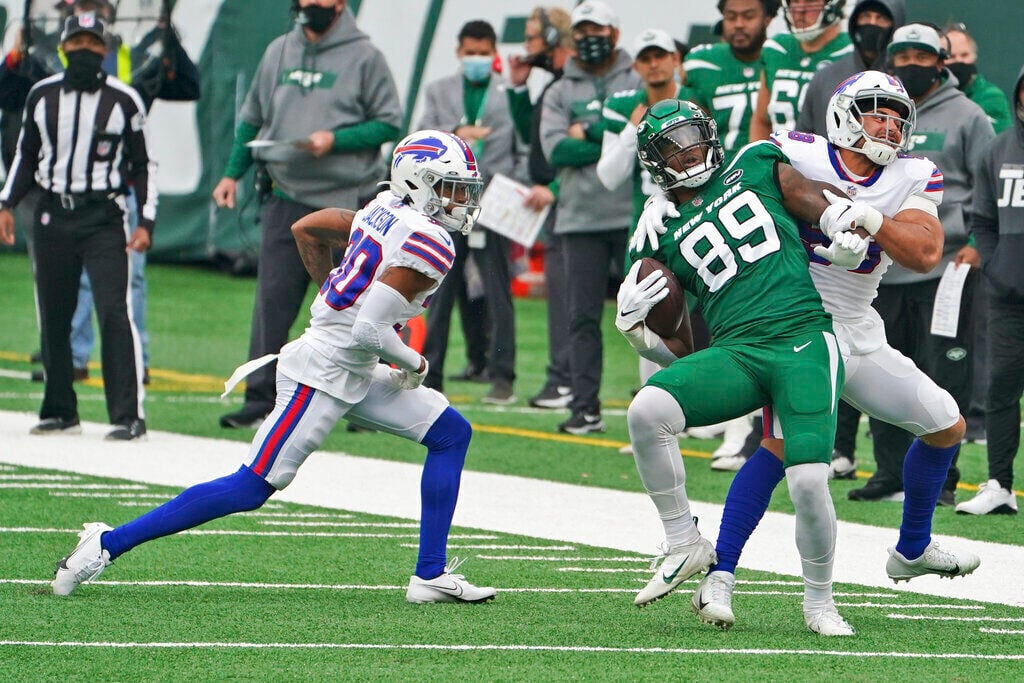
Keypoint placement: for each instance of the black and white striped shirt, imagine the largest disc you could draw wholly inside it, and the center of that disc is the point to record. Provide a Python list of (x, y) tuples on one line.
[(76, 142)]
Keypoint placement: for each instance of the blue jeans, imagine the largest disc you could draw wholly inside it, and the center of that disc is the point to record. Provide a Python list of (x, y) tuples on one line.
[(82, 334)]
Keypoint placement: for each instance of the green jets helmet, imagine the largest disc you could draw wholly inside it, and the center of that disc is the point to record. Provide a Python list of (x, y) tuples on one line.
[(677, 143)]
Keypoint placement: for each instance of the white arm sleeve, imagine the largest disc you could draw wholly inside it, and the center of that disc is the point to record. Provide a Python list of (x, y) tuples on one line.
[(618, 156), (374, 328), (916, 201), (649, 345)]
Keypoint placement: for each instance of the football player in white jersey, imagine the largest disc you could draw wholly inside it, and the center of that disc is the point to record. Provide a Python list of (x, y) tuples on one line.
[(398, 252), (870, 121)]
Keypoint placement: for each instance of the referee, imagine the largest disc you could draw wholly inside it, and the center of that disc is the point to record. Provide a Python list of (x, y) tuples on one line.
[(83, 141)]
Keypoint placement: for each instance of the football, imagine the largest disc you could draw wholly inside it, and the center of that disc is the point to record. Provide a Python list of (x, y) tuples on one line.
[(667, 315)]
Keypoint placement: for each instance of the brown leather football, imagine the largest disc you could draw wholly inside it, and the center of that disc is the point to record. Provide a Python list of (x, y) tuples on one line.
[(667, 315)]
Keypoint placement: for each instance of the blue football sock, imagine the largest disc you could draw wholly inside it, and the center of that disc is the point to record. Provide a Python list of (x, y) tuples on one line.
[(243, 490), (745, 505), (447, 441), (924, 472)]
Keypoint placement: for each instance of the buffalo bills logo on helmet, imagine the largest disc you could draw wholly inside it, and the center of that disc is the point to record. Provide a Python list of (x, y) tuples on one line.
[(467, 154), (421, 149), (848, 81)]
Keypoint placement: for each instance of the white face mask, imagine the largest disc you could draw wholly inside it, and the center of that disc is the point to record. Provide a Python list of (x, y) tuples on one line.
[(476, 68)]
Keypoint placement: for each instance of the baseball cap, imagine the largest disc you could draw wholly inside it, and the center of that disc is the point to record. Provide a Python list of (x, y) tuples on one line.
[(595, 11), (653, 37), (916, 36), (83, 23)]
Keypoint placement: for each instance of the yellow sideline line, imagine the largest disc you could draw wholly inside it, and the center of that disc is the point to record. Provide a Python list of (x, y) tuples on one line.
[(171, 380), (569, 438)]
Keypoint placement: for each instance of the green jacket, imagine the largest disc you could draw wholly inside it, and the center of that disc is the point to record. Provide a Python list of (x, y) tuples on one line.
[(992, 100)]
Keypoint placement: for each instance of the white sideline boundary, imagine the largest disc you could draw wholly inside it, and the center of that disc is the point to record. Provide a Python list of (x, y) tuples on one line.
[(619, 520)]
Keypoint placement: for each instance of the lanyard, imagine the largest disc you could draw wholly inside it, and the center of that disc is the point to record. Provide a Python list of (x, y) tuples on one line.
[(477, 146)]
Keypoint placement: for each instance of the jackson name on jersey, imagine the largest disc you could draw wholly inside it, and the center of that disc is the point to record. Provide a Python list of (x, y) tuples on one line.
[(385, 233), (847, 294)]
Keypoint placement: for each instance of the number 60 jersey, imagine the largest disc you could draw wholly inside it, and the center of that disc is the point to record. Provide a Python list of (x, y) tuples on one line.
[(385, 233), (847, 294)]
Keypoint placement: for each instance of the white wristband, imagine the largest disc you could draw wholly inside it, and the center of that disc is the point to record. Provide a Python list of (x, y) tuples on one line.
[(872, 220)]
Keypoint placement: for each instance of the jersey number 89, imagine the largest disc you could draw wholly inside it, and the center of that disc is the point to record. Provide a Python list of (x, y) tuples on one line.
[(743, 217)]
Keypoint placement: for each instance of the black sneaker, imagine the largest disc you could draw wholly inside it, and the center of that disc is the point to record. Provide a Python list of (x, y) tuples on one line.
[(947, 498), (581, 423), (57, 425), (552, 397), (77, 375), (136, 429), (874, 491), (249, 417), (472, 373)]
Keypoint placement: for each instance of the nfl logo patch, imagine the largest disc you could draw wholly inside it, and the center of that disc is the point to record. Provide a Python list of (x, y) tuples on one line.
[(87, 20), (103, 148)]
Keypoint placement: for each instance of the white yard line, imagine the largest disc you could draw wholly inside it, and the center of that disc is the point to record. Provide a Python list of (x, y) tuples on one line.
[(575, 649), (1002, 631), (620, 520)]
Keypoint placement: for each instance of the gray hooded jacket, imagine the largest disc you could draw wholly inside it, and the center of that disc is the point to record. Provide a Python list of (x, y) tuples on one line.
[(953, 132), (997, 214), (584, 204), (824, 84), (302, 87)]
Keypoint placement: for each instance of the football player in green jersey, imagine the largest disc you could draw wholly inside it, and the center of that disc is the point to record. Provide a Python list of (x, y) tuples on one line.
[(790, 61), (724, 78), (735, 245)]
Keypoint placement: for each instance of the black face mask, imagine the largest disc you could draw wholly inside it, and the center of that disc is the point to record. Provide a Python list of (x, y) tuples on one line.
[(916, 79), (316, 18), (84, 70), (541, 60), (871, 39), (594, 49), (963, 72)]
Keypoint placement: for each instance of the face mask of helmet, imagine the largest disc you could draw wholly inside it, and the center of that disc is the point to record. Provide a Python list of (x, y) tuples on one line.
[(871, 39), (879, 149), (460, 203), (671, 156), (476, 68), (84, 70), (916, 78), (316, 18), (594, 49), (963, 72)]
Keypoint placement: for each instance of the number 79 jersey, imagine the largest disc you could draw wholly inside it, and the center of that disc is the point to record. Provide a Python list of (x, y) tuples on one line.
[(737, 249), (385, 233)]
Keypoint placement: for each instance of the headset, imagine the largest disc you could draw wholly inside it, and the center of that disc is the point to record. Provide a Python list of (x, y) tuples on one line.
[(549, 33)]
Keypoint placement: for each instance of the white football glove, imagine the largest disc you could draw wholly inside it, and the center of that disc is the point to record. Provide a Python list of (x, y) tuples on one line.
[(848, 250), (651, 225), (844, 214), (406, 379), (636, 299)]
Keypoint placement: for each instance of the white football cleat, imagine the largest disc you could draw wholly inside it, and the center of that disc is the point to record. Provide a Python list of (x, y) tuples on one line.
[(85, 563), (708, 432), (828, 622), (934, 560), (991, 499), (677, 565), (712, 603), (842, 467), (727, 463), (448, 587)]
